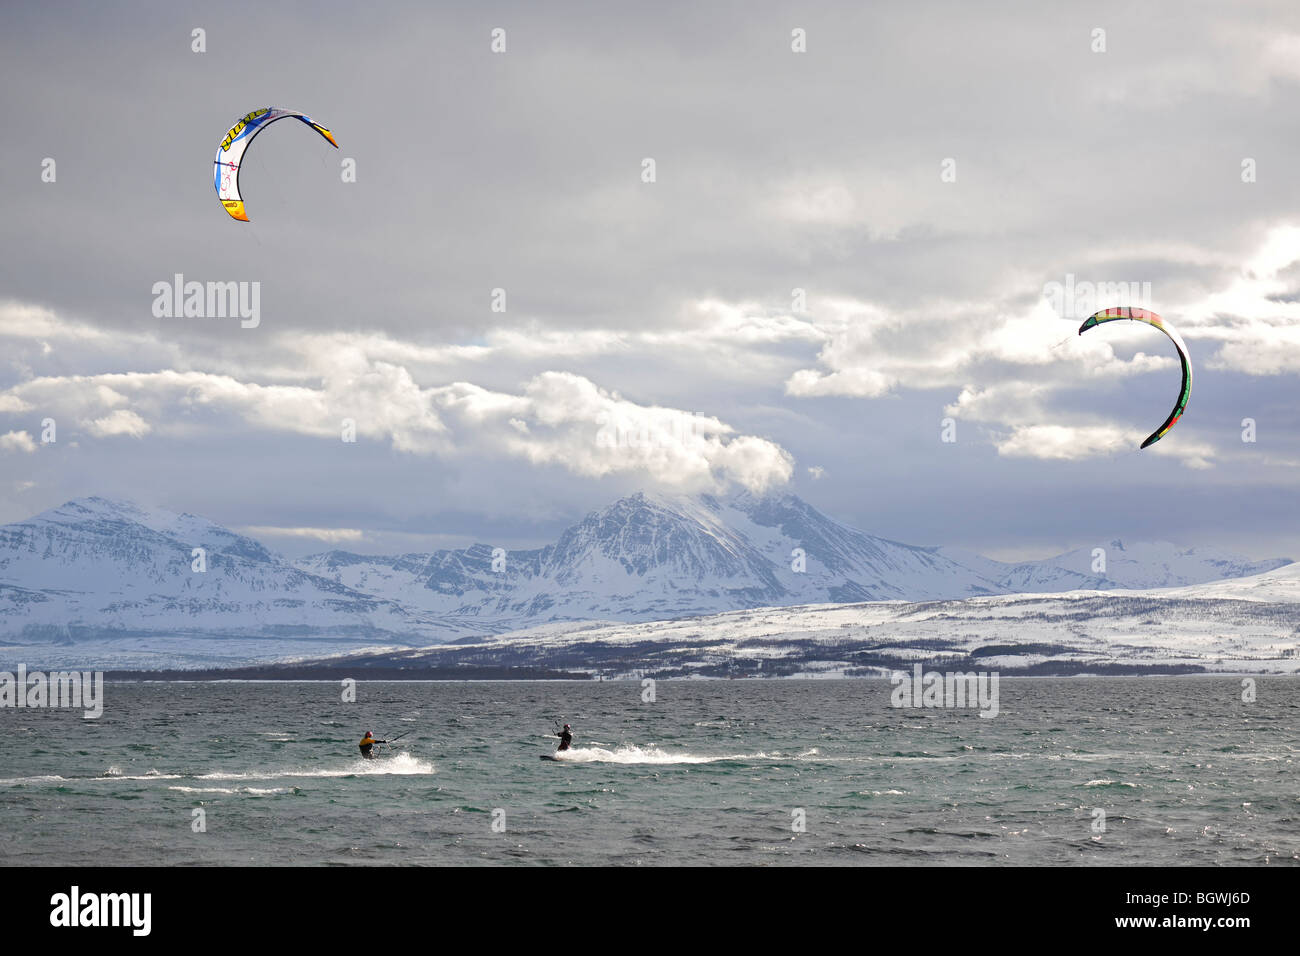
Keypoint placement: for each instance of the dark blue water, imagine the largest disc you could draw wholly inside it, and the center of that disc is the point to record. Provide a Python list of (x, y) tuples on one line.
[(711, 772)]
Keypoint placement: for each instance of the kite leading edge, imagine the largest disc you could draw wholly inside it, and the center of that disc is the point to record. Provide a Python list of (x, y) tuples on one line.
[(1150, 318), (230, 153)]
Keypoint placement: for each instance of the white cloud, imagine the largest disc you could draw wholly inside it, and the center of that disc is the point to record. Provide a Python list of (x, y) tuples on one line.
[(565, 419), (559, 419), (1079, 442), (1066, 442), (17, 441), (1010, 367), (1260, 350), (121, 422), (704, 327), (21, 320)]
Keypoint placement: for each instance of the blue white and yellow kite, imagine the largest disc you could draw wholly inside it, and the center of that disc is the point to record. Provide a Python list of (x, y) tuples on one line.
[(230, 153)]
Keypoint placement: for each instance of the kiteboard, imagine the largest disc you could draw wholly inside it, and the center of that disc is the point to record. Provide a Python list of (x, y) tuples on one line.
[(549, 757)]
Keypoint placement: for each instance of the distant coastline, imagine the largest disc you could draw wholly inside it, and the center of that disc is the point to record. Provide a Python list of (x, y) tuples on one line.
[(301, 672)]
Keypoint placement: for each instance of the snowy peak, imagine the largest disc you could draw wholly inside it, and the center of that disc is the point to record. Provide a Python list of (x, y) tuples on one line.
[(104, 566), (649, 556), (94, 566), (821, 559), (1154, 564), (641, 534), (105, 518)]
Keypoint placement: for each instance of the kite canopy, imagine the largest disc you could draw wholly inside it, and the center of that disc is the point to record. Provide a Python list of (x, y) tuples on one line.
[(1150, 318), (230, 153)]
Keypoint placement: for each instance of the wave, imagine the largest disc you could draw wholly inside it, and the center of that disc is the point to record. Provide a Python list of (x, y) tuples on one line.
[(632, 754), (398, 764), (1108, 783), (46, 778), (54, 778), (253, 791)]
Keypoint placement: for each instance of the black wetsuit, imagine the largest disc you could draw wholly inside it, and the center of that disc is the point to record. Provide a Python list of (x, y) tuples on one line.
[(566, 738), (367, 743)]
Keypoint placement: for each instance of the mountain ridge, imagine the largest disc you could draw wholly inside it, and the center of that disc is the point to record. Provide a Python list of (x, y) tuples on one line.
[(97, 568)]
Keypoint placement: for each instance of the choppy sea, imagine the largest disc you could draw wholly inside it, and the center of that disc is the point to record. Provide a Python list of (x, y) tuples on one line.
[(1078, 771)]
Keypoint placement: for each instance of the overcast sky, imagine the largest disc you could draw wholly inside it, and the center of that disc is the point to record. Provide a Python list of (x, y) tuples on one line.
[(923, 172)]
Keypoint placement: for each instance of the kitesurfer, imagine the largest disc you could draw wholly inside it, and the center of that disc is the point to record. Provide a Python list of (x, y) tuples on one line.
[(566, 738), (367, 744)]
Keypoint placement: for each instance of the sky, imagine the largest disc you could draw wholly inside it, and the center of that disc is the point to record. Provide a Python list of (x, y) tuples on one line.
[(566, 252)]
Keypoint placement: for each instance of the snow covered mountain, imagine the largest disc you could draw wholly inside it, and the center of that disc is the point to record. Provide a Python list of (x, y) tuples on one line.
[(94, 568), (99, 570), (638, 559), (1142, 565), (1238, 626), (650, 557)]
